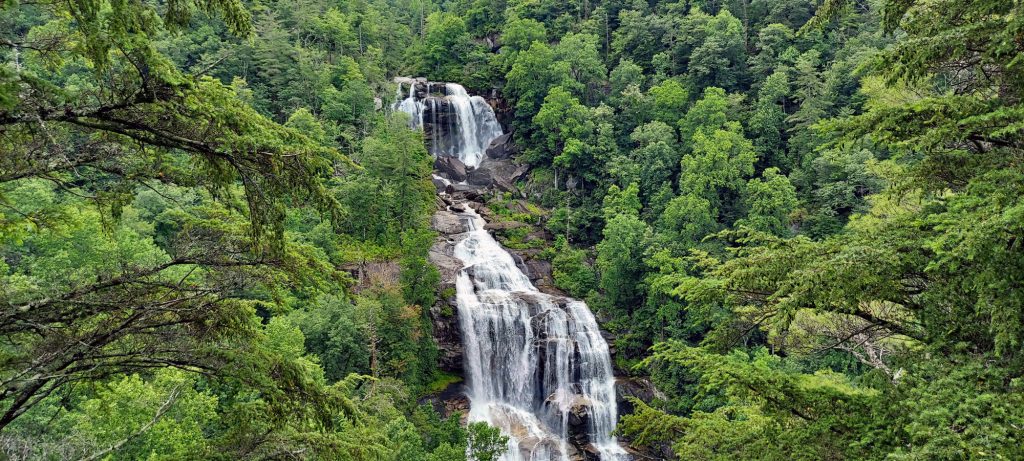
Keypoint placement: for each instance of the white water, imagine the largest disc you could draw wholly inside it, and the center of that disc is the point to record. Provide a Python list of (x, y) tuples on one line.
[(530, 357), (411, 106), (471, 124)]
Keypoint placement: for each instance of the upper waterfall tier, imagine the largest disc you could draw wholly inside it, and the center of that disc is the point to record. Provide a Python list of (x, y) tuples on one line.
[(454, 123), (537, 365)]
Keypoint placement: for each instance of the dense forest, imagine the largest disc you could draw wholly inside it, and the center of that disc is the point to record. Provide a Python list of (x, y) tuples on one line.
[(802, 221)]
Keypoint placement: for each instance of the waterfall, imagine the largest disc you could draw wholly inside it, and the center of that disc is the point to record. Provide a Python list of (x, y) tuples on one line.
[(458, 125), (411, 106), (536, 364)]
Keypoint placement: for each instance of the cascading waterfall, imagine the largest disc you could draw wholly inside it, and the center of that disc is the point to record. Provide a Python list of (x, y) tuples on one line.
[(533, 361), (461, 125), (536, 365)]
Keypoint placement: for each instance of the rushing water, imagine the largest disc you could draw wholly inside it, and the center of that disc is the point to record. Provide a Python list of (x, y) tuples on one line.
[(460, 125), (536, 365), (532, 360)]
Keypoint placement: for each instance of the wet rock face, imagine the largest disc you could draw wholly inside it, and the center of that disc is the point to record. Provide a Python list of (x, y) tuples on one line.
[(450, 400), (443, 314), (447, 335), (440, 120)]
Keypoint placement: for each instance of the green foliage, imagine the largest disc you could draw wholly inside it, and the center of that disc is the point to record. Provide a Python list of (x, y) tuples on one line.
[(872, 191), (485, 442), (179, 251), (625, 74), (444, 48), (769, 201), (719, 60), (532, 75), (653, 160), (562, 122), (579, 54), (670, 99), (161, 420), (767, 125), (685, 221), (216, 248), (570, 270), (717, 167), (419, 278), (619, 255)]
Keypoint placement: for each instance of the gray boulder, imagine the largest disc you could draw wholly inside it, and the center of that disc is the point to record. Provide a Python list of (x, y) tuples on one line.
[(451, 168), (498, 174), (502, 147), (447, 222)]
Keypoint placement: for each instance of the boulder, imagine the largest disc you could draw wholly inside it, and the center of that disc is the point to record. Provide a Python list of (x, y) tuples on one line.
[(502, 147), (447, 222), (482, 210), (639, 388), (579, 418), (539, 271), (498, 174), (465, 192), (519, 206), (448, 401), (504, 225), (451, 168), (440, 183)]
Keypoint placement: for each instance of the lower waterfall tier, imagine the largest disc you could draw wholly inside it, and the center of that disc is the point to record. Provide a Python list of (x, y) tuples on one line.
[(536, 364)]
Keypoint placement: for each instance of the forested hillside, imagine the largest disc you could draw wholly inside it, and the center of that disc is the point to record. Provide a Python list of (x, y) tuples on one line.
[(800, 220)]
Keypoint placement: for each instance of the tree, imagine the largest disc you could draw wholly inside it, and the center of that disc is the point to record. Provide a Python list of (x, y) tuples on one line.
[(570, 270), (534, 72), (767, 124), (685, 221), (579, 53), (517, 36), (445, 47), (769, 201), (773, 42), (161, 420), (638, 37), (397, 157), (623, 75), (622, 202), (562, 123), (418, 277), (709, 113), (653, 160), (842, 180), (717, 168), (520, 33), (670, 100), (334, 333), (719, 61), (485, 442), (304, 121), (620, 253), (349, 99)]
